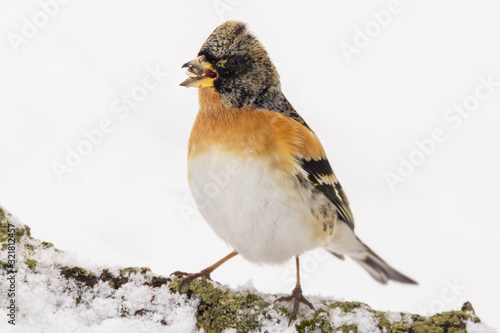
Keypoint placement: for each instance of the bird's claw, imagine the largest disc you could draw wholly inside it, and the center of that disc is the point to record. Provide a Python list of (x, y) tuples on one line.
[(204, 274), (299, 298), (179, 273)]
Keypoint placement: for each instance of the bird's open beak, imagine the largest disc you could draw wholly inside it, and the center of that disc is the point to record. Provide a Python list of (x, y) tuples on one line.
[(201, 73)]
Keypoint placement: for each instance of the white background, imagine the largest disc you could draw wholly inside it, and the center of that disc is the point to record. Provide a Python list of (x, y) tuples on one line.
[(128, 202)]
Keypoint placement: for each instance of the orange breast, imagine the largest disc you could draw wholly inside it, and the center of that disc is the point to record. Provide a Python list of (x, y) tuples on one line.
[(258, 133)]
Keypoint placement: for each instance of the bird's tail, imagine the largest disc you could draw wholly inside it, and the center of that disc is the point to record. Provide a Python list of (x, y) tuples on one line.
[(379, 269), (344, 242)]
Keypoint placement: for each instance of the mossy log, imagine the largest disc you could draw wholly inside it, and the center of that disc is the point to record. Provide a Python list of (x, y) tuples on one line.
[(219, 308)]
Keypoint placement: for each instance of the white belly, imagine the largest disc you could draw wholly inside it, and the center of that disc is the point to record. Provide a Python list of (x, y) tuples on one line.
[(257, 212)]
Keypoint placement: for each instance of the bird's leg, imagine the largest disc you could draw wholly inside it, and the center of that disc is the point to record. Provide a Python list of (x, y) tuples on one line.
[(204, 274), (297, 296)]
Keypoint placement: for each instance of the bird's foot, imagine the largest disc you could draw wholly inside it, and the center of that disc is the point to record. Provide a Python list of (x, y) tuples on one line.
[(187, 277), (298, 298)]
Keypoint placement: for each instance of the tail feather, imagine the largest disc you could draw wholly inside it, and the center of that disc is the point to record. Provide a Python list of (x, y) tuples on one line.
[(380, 270), (344, 242), (340, 256)]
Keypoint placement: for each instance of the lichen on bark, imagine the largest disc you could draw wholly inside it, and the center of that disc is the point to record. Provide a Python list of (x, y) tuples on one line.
[(219, 308)]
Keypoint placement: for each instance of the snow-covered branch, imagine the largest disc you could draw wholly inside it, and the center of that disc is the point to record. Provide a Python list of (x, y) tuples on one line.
[(51, 293)]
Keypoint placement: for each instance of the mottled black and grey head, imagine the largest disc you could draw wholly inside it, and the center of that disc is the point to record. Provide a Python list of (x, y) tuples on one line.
[(236, 64), (243, 67)]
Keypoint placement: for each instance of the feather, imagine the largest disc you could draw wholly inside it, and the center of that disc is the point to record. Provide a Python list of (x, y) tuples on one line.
[(321, 176)]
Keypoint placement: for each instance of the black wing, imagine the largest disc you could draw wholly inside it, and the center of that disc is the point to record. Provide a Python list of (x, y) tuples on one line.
[(321, 176)]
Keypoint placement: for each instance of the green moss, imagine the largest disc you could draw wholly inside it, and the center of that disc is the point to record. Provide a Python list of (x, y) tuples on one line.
[(319, 321), (467, 307), (4, 246), (134, 270), (451, 321), (90, 279), (399, 327), (347, 306), (282, 310), (79, 274), (384, 324), (223, 309), (78, 271), (20, 232), (46, 245), (4, 265), (349, 329), (251, 298), (31, 263), (145, 270), (128, 270), (4, 230)]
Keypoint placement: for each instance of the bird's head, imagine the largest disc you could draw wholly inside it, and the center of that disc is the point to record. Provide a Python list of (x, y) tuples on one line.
[(235, 64)]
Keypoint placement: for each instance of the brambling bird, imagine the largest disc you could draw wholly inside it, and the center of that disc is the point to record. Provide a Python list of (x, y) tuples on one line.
[(257, 171)]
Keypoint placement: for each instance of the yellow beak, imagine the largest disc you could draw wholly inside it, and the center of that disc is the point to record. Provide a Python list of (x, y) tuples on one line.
[(201, 73)]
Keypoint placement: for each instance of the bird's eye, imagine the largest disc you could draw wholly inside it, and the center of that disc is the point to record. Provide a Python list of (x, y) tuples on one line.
[(232, 63)]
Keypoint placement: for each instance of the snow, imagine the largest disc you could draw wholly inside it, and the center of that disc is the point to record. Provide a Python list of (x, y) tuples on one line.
[(48, 302), (479, 328), (128, 202), (359, 317)]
